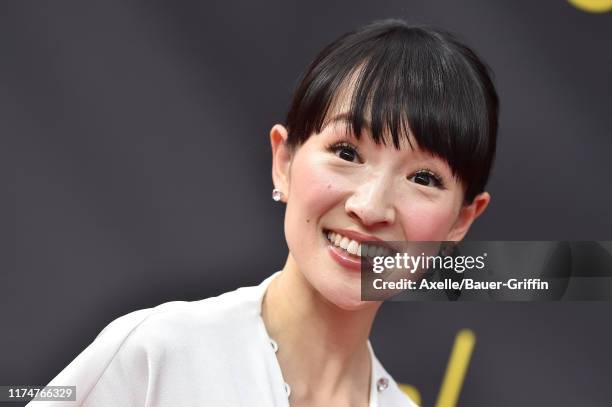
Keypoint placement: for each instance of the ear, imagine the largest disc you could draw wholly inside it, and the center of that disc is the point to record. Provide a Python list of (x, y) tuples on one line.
[(467, 215), (281, 159)]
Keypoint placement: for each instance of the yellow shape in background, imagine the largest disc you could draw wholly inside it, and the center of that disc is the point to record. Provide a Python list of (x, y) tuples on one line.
[(411, 391), (592, 6), (455, 372), (457, 368)]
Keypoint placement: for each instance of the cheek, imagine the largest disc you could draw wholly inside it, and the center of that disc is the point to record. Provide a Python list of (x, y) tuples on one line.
[(314, 190), (427, 220)]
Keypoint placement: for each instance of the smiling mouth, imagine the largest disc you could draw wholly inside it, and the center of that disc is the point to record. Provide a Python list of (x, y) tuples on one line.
[(352, 247)]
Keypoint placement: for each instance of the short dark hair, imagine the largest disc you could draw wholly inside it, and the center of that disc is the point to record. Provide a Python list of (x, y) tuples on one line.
[(413, 79)]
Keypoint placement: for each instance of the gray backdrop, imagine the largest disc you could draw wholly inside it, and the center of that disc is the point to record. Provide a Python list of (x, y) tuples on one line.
[(139, 136)]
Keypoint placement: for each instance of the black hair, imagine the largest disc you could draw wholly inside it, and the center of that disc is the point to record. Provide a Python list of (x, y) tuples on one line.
[(412, 80)]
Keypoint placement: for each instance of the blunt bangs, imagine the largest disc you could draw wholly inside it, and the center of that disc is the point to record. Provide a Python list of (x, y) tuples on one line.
[(405, 81)]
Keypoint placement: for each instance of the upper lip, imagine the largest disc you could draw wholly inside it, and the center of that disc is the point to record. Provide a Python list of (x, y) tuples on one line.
[(362, 237), (356, 236)]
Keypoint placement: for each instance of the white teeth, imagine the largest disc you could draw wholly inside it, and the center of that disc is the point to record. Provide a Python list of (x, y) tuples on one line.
[(352, 247), (344, 242), (337, 239), (371, 250)]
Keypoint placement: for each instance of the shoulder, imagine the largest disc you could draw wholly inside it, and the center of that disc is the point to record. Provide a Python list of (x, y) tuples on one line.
[(179, 321), (183, 320), (128, 355)]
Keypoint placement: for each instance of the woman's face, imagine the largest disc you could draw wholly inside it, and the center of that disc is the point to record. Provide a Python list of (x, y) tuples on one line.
[(334, 183)]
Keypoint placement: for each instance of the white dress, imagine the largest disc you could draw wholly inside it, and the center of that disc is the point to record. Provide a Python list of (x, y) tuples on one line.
[(213, 352)]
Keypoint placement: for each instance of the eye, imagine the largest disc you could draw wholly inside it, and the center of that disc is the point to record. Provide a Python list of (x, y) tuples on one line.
[(427, 178), (345, 151)]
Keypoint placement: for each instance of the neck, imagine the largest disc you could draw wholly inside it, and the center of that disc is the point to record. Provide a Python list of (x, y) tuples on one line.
[(322, 348)]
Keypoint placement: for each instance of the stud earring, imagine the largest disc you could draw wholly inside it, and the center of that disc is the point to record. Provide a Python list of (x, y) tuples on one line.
[(277, 195)]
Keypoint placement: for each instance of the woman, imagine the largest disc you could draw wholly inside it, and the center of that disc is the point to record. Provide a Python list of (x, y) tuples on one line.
[(390, 136)]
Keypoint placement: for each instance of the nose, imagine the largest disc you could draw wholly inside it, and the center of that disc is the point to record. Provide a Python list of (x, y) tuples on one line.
[(371, 202)]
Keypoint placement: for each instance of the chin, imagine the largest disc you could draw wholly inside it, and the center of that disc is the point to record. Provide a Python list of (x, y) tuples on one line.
[(354, 305), (349, 301), (338, 287)]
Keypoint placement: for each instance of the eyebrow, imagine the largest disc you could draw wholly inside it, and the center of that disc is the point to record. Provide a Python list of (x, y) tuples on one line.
[(345, 117)]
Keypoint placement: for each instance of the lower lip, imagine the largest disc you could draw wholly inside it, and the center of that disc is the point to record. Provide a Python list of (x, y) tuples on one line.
[(343, 258)]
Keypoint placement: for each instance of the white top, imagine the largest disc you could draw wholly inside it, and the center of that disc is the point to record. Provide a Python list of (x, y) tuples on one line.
[(213, 352)]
